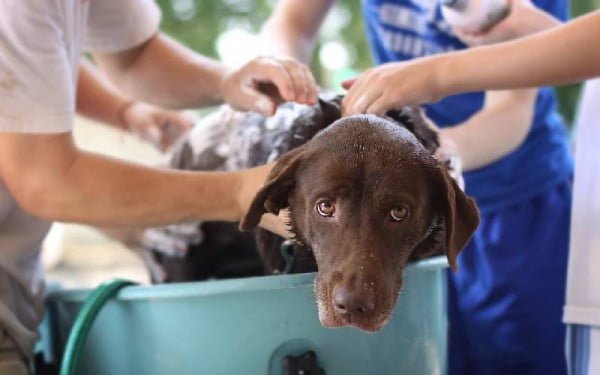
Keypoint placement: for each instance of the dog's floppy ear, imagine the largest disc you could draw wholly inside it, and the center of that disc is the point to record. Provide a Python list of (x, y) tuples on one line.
[(414, 119), (273, 196), (460, 215)]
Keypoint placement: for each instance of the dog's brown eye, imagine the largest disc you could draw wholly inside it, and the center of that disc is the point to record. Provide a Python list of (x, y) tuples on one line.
[(398, 213), (326, 208)]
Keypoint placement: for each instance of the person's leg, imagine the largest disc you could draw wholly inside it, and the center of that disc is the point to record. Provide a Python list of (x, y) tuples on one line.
[(11, 360), (583, 349), (505, 311), (577, 349), (594, 353)]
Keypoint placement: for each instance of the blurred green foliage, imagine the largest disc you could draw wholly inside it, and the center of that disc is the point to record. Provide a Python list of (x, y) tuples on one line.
[(198, 24)]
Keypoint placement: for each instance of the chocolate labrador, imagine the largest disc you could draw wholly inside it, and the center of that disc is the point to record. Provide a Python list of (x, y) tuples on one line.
[(365, 196)]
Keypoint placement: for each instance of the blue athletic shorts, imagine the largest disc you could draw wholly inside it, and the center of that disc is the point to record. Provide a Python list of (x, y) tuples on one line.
[(505, 302)]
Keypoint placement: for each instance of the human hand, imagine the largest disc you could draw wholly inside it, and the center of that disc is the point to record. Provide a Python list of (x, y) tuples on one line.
[(250, 182), (393, 85), (448, 154), (155, 125), (524, 18), (265, 82)]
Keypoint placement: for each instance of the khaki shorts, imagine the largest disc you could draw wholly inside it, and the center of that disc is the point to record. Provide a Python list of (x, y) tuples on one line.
[(11, 360)]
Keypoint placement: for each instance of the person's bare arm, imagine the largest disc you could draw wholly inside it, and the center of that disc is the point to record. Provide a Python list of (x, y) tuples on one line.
[(560, 55), (164, 72), (506, 117), (495, 131), (524, 19), (100, 100), (293, 26), (50, 178)]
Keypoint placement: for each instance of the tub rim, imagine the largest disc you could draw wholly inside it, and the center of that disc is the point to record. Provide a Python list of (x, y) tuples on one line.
[(227, 286)]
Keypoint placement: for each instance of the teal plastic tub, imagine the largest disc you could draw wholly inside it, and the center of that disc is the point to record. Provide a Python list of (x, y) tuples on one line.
[(248, 326)]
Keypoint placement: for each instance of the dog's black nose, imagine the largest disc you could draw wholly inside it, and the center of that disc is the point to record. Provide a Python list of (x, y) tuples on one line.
[(349, 302)]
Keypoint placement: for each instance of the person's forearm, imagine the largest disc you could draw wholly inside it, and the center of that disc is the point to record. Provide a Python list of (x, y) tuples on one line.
[(285, 40), (114, 195), (61, 183), (165, 73), (495, 131), (563, 54), (292, 28), (97, 98)]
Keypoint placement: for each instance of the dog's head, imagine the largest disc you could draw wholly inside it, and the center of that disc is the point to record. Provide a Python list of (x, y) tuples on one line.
[(365, 195)]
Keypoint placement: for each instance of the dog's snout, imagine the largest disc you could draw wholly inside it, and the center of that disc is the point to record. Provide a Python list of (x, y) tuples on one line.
[(349, 302)]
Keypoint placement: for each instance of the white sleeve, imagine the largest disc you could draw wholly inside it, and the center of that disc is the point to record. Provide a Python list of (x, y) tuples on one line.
[(117, 25), (36, 79)]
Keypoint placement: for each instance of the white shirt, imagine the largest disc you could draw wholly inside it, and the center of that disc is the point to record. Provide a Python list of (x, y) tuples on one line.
[(41, 42), (583, 281)]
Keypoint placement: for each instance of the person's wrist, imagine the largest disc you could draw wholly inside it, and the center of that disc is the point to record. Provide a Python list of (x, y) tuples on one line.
[(223, 76), (123, 121), (237, 182), (247, 183)]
